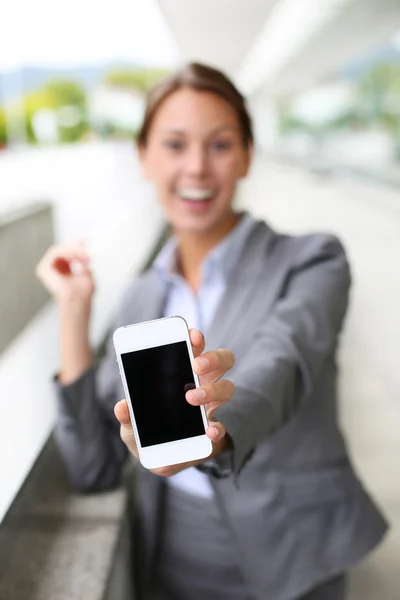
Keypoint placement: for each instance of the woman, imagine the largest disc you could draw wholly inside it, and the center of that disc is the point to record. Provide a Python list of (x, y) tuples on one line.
[(277, 513)]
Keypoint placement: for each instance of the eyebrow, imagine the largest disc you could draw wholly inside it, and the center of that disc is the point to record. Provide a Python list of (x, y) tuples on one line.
[(213, 132)]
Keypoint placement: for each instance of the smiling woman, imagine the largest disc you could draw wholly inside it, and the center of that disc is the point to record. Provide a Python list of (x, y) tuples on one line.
[(195, 144), (196, 165), (232, 526)]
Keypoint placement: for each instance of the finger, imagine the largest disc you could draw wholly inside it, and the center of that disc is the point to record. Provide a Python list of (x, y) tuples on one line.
[(59, 257), (211, 395), (61, 265), (197, 341), (126, 431), (214, 364), (171, 469), (71, 256), (216, 431), (68, 251), (121, 411), (67, 267)]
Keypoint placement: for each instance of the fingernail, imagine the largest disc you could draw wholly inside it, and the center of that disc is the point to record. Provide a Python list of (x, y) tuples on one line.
[(197, 394), (202, 363)]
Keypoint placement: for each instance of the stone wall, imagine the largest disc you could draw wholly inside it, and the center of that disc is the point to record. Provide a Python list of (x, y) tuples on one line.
[(25, 234)]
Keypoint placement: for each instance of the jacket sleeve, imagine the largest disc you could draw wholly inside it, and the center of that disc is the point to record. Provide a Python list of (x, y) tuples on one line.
[(87, 431), (278, 371)]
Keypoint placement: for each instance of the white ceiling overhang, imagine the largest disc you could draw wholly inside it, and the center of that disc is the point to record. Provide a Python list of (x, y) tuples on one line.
[(278, 47), (217, 32)]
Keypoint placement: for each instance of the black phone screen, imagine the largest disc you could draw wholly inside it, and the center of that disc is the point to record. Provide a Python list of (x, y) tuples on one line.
[(158, 379)]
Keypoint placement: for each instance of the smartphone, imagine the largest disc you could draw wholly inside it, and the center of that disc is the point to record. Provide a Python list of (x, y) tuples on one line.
[(155, 364)]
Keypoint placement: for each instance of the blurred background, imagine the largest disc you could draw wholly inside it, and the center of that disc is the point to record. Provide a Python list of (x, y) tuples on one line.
[(322, 78)]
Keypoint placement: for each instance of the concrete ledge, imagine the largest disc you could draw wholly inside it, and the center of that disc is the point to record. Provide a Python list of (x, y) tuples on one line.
[(59, 545), (25, 234), (56, 544)]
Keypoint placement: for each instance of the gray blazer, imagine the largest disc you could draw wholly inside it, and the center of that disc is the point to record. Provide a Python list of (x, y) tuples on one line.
[(297, 513)]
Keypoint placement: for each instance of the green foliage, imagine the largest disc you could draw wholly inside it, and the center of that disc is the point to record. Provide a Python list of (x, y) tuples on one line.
[(378, 94), (288, 123), (65, 93), (32, 103), (109, 130), (3, 129), (140, 80), (56, 95), (381, 82), (376, 104), (349, 119)]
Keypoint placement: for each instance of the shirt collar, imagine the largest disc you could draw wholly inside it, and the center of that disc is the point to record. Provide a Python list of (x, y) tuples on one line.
[(224, 256), (166, 261)]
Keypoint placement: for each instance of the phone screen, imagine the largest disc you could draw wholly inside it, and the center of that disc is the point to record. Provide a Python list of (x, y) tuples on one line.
[(158, 379)]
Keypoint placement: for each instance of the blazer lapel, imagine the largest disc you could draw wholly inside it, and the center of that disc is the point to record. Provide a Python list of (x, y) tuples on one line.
[(151, 296), (240, 288), (251, 291)]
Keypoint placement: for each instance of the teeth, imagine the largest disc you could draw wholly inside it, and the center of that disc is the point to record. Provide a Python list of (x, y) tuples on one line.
[(195, 194)]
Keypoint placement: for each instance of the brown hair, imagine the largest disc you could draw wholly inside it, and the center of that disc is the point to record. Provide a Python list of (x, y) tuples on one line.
[(204, 79)]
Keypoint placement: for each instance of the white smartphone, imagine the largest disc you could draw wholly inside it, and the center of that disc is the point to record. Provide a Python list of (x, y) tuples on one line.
[(155, 364)]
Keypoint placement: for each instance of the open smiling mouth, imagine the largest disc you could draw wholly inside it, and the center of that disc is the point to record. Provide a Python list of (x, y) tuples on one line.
[(197, 198)]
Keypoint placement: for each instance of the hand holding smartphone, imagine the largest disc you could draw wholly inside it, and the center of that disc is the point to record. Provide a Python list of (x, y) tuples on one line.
[(155, 364)]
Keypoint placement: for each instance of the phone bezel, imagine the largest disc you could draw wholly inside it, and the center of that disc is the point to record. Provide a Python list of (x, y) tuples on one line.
[(150, 334)]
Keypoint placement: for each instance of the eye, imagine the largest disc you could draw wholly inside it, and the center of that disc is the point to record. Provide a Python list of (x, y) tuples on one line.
[(174, 145), (221, 145)]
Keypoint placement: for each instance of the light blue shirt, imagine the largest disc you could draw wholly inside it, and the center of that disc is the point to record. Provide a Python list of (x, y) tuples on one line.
[(199, 309)]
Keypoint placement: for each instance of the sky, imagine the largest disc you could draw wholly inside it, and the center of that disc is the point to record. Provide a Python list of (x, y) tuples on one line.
[(49, 33)]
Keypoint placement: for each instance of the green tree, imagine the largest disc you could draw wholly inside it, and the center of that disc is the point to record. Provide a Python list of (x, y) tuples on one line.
[(349, 119), (32, 103), (68, 95), (379, 97), (140, 80), (3, 128), (288, 123), (57, 95), (66, 92)]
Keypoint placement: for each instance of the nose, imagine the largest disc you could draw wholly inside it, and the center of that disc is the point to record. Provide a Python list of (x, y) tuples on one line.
[(197, 161)]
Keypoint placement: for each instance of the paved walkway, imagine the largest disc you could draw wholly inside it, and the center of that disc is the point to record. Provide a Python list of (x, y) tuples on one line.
[(367, 219)]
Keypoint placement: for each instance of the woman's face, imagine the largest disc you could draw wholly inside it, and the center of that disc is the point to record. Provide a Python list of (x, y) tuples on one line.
[(195, 156)]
